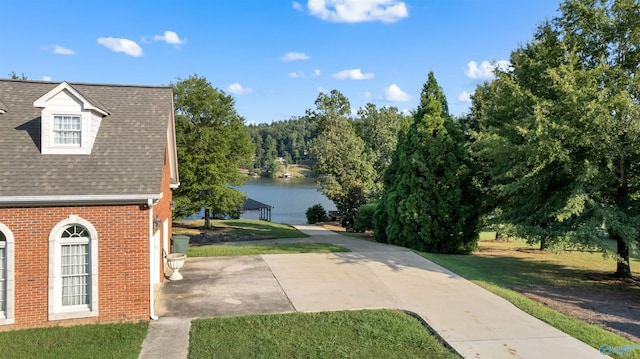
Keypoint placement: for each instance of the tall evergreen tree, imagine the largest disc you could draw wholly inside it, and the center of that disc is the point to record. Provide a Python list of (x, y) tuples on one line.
[(427, 203), (212, 144)]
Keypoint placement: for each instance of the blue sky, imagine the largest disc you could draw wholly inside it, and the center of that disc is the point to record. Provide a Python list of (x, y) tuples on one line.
[(272, 56)]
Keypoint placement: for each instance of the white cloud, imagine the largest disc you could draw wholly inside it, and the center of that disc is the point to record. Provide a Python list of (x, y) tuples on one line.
[(368, 94), (354, 74), (405, 112), (464, 96), (121, 45), (323, 90), (237, 89), (504, 66), (302, 75), (386, 11), (46, 78), (393, 93), (297, 6), (294, 56), (57, 49), (485, 71), (170, 37)]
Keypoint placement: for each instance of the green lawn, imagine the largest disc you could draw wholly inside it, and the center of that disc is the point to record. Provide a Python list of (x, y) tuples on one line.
[(257, 249), (498, 265), (346, 334), (238, 228), (84, 341)]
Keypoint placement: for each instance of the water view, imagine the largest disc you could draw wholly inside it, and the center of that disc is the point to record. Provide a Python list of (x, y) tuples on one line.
[(289, 197)]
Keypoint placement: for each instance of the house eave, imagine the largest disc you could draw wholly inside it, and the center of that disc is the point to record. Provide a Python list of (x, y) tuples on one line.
[(22, 201)]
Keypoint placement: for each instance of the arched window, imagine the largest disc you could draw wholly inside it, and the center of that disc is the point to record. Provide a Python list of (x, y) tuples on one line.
[(6, 275), (75, 263), (73, 271)]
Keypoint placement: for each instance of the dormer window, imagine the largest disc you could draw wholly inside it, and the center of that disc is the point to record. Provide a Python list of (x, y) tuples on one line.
[(66, 130), (70, 122)]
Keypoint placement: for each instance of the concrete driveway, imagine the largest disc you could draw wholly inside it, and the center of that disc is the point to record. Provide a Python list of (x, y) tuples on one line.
[(475, 322)]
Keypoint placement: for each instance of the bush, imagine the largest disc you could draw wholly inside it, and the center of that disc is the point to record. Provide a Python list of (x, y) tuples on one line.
[(364, 217), (316, 213)]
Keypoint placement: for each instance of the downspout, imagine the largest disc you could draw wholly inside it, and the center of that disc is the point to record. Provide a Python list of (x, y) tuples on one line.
[(152, 314)]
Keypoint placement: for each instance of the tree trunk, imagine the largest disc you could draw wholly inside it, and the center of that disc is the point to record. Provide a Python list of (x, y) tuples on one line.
[(623, 269), (544, 243), (207, 218)]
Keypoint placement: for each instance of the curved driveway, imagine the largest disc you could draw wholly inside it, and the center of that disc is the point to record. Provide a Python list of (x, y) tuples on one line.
[(475, 322)]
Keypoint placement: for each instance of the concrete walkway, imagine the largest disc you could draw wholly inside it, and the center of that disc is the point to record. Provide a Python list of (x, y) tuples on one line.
[(475, 322)]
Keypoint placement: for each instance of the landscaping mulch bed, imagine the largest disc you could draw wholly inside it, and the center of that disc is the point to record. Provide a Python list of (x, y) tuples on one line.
[(204, 239), (617, 311)]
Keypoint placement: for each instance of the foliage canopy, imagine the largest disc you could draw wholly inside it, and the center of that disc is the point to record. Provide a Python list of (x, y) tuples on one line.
[(558, 133), (212, 144)]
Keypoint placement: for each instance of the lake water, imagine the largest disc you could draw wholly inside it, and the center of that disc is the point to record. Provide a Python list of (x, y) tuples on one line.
[(290, 198)]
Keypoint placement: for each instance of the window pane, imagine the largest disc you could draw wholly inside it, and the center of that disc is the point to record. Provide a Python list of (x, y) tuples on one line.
[(3, 279), (75, 274), (75, 232), (66, 130)]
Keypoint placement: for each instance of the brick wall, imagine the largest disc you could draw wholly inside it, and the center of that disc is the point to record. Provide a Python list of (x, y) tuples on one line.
[(163, 208), (123, 261)]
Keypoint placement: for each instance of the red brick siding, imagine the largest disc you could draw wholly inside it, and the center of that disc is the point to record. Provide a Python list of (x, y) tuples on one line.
[(163, 208), (123, 262)]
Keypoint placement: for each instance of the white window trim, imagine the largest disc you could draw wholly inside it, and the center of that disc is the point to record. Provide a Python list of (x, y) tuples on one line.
[(48, 133), (56, 310), (7, 317)]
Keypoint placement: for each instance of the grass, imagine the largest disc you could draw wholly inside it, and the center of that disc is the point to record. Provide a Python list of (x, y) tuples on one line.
[(251, 249), (238, 228), (346, 334), (497, 265), (83, 341), (298, 171), (515, 263)]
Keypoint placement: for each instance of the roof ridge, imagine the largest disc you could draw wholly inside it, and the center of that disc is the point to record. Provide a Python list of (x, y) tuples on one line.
[(85, 83)]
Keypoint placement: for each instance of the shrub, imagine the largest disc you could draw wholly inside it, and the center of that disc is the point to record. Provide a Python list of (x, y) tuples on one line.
[(316, 213), (364, 217)]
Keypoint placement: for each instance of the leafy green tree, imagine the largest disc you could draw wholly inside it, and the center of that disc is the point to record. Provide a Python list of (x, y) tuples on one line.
[(212, 144), (559, 132), (379, 128), (428, 201), (270, 148), (343, 159), (14, 76)]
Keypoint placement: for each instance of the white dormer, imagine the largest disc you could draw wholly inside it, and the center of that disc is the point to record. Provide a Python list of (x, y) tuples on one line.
[(69, 121)]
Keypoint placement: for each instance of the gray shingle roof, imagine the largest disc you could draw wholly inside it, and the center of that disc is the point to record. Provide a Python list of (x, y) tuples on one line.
[(127, 156), (252, 205)]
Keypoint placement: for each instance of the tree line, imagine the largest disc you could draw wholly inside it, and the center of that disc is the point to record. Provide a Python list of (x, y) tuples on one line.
[(549, 151), (292, 140), (288, 140)]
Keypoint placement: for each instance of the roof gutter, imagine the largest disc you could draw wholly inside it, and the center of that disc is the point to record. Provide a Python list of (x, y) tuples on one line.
[(8, 201)]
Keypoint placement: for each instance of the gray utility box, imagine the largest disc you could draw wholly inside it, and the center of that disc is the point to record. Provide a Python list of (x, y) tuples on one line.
[(179, 244)]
